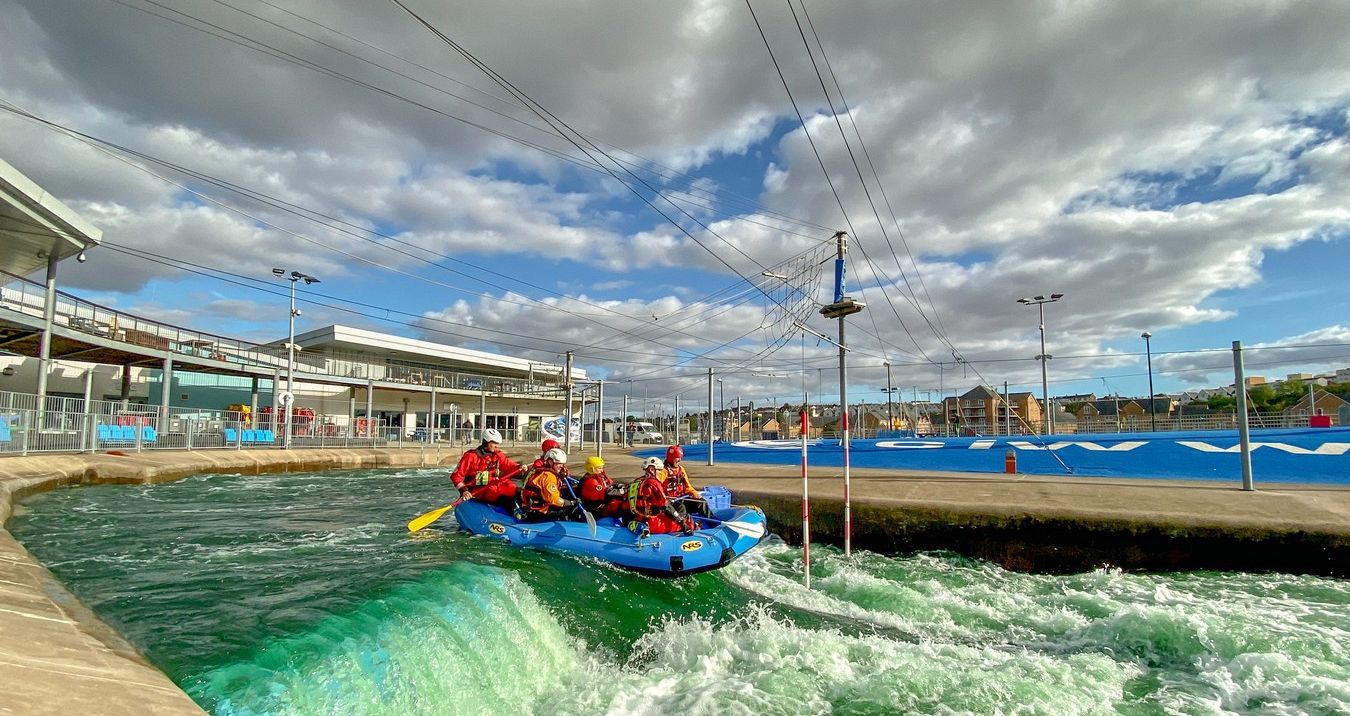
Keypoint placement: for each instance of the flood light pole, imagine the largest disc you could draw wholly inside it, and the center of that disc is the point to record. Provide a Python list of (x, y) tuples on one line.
[(294, 277), (1039, 302), (843, 307), (1152, 410)]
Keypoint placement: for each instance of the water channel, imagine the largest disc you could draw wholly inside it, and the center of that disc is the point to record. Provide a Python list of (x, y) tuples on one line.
[(304, 594)]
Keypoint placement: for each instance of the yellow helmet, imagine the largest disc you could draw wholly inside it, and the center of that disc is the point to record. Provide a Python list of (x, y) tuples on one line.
[(595, 464)]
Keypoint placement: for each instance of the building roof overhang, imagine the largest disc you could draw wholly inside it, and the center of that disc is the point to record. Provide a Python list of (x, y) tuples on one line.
[(35, 225), (357, 340)]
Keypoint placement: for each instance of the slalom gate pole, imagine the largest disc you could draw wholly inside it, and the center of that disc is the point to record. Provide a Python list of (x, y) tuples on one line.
[(806, 509)]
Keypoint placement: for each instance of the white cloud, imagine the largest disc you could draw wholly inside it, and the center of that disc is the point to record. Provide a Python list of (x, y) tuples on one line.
[(1090, 149)]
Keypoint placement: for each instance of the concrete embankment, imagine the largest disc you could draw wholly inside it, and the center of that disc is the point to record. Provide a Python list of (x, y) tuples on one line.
[(56, 656), (1053, 524)]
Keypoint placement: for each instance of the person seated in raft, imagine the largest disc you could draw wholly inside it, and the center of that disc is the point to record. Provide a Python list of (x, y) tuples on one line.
[(485, 473), (541, 497), (676, 481), (652, 512), (598, 493), (567, 480)]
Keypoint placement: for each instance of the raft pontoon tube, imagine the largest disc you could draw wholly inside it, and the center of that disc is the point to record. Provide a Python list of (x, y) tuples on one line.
[(728, 534)]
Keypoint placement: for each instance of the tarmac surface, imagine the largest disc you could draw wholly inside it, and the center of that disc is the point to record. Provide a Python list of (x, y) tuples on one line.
[(56, 656)]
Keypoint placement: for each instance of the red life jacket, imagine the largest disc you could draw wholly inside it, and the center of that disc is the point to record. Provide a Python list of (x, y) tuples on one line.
[(594, 488), (677, 481), (646, 497)]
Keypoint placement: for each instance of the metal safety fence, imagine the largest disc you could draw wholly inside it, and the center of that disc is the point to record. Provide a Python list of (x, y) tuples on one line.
[(75, 425)]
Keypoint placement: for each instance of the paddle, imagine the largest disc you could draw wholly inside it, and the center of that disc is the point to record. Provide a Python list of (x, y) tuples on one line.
[(745, 529), (420, 522), (590, 520)]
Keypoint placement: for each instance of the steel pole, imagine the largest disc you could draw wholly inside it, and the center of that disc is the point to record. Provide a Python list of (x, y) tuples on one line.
[(738, 418), (890, 414), (806, 508), (1152, 409), (567, 423), (710, 415), (1045, 383), (843, 413), (1244, 437), (290, 371)]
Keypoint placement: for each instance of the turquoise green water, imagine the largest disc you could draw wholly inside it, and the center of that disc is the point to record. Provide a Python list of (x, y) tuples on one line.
[(304, 594)]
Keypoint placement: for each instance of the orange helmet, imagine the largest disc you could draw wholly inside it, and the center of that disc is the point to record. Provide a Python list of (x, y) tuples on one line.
[(674, 452), (548, 445)]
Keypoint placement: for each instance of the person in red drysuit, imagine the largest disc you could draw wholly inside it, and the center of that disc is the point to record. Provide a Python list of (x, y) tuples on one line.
[(598, 493), (485, 473), (652, 512)]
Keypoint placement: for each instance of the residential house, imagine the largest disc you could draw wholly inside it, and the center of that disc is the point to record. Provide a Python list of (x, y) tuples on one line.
[(984, 411), (1324, 403), (1122, 413)]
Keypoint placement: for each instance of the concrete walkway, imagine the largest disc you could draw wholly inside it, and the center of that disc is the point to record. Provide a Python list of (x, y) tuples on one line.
[(57, 657)]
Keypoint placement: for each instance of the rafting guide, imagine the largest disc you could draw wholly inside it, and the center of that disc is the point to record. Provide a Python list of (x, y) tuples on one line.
[(484, 473)]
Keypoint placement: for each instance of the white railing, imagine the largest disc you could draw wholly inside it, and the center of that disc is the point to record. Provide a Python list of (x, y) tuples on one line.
[(27, 297), (69, 425)]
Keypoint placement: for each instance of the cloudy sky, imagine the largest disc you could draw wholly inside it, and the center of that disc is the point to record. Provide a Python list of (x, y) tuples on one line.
[(621, 186)]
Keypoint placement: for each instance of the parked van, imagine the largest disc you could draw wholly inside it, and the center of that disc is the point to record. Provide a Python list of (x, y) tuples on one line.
[(639, 432)]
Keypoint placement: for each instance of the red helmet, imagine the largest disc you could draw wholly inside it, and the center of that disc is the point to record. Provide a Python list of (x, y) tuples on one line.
[(674, 452), (548, 445)]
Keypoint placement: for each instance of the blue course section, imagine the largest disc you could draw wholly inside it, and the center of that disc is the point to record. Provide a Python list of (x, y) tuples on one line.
[(1309, 455)]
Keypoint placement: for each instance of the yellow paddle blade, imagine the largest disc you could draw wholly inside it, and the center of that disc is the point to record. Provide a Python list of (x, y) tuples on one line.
[(421, 521)]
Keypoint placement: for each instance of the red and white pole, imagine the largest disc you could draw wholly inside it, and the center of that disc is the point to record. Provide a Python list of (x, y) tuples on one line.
[(848, 516), (806, 509)]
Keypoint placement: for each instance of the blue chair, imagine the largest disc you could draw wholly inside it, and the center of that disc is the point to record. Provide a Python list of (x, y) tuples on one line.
[(104, 433), (148, 435), (126, 433), (5, 435), (231, 436), (266, 436), (250, 436)]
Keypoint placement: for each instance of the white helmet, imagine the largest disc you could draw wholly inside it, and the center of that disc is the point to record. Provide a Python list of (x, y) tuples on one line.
[(652, 462), (491, 436), (556, 455)]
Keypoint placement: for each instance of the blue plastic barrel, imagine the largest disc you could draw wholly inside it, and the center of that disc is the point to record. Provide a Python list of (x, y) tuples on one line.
[(717, 497)]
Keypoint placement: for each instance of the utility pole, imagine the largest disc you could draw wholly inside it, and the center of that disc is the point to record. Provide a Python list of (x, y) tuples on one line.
[(567, 385), (890, 415), (599, 417), (843, 307), (1152, 411), (623, 434), (1244, 435), (711, 380), (1039, 302), (294, 278), (1007, 411)]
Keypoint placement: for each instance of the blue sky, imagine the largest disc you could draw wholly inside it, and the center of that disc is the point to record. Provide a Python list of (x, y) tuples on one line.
[(1179, 169)]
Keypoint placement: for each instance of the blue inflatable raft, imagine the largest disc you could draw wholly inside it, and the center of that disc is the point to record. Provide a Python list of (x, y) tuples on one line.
[(730, 533)]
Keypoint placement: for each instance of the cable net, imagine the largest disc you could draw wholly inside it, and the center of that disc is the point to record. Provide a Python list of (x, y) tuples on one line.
[(792, 293)]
